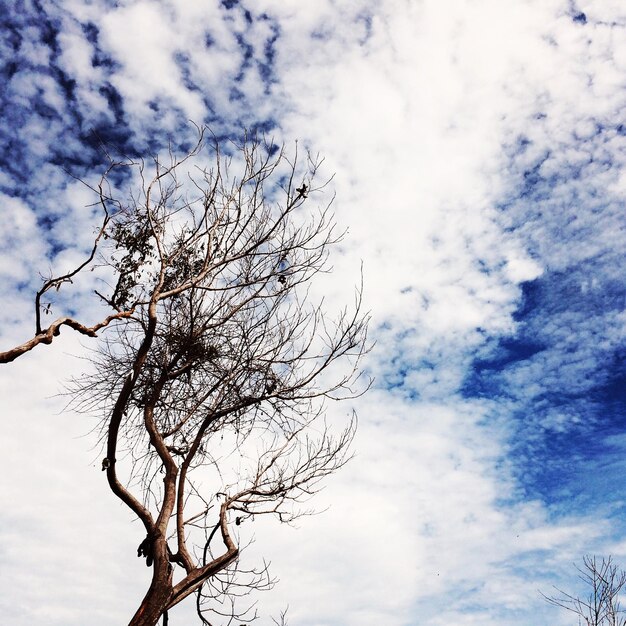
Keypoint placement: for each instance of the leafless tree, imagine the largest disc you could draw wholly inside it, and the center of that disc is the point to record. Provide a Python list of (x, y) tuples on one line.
[(215, 362), (282, 619), (601, 607)]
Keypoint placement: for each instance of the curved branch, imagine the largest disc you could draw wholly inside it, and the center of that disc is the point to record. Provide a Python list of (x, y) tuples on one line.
[(116, 419), (59, 280), (193, 580), (47, 335)]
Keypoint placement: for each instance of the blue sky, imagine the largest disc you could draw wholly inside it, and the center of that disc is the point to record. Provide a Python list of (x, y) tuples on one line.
[(479, 149)]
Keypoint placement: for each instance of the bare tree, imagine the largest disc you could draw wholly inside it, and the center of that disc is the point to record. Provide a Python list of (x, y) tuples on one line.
[(601, 607), (215, 362)]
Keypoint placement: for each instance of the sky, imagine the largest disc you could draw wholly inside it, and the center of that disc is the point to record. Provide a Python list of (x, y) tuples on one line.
[(479, 153)]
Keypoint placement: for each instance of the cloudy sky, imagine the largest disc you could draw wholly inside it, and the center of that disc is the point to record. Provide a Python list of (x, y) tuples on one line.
[(479, 152)]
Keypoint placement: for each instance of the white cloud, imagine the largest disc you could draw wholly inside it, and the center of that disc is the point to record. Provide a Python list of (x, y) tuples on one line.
[(142, 38), (19, 232)]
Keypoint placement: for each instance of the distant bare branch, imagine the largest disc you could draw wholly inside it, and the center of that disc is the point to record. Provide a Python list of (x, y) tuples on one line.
[(602, 606)]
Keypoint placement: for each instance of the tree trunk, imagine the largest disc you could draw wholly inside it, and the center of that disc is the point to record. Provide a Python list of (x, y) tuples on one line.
[(160, 592)]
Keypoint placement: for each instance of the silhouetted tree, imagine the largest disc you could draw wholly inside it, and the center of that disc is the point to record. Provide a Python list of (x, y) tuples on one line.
[(213, 362), (601, 607)]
